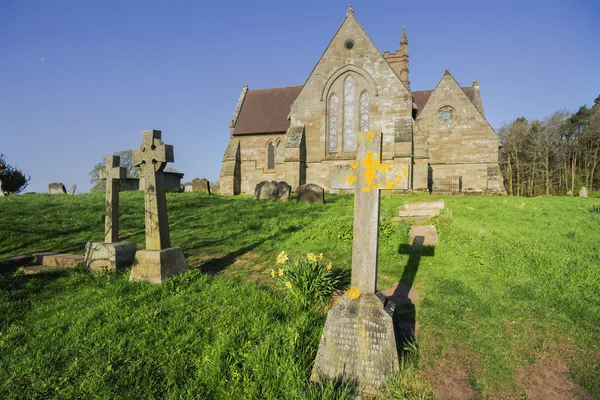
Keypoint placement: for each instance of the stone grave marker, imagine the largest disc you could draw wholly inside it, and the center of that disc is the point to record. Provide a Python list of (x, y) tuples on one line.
[(57, 188), (583, 192), (108, 255), (311, 193), (201, 185), (73, 188), (272, 190), (159, 260), (358, 341)]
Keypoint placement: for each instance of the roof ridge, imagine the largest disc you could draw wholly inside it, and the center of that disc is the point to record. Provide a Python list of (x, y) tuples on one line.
[(275, 88)]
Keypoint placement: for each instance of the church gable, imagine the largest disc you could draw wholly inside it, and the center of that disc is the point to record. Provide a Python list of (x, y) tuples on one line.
[(351, 53), (455, 130)]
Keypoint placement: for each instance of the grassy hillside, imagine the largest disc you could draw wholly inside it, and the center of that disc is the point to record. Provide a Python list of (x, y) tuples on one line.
[(512, 289)]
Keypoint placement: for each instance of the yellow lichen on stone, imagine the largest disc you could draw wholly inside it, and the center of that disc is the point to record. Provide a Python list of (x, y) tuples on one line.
[(353, 293), (354, 164), (351, 179)]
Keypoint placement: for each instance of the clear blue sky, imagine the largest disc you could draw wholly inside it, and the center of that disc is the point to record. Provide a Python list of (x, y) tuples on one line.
[(82, 79)]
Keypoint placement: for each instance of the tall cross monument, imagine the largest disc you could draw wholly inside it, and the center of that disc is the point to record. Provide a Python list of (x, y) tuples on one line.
[(158, 261), (107, 256), (358, 341)]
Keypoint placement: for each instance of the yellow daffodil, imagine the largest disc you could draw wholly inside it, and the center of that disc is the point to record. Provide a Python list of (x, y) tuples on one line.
[(288, 285), (320, 256), (280, 272), (329, 266), (282, 257), (311, 257), (273, 273)]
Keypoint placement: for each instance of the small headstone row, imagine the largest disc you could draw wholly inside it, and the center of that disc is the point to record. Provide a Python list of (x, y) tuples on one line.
[(273, 190)]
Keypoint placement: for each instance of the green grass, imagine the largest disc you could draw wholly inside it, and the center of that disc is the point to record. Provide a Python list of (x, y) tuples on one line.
[(511, 279)]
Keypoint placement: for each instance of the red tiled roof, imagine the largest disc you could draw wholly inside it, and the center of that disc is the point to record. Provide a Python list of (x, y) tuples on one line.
[(266, 110), (421, 97)]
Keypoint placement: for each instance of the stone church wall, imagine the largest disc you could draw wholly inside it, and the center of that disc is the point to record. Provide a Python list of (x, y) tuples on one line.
[(464, 146), (254, 160)]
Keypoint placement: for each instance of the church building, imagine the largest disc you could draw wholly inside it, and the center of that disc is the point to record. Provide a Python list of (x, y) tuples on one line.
[(439, 140)]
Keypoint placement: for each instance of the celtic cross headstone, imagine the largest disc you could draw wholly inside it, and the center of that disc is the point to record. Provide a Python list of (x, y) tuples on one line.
[(158, 261)]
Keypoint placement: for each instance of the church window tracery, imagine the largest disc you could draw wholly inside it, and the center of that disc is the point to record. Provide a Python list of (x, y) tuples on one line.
[(348, 129), (333, 123), (365, 118), (445, 114), (271, 156)]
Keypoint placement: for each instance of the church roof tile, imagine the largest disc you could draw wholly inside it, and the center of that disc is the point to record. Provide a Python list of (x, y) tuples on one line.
[(266, 110)]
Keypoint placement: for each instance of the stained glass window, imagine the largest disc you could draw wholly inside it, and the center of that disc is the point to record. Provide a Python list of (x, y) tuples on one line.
[(364, 111), (348, 132), (271, 155), (333, 123)]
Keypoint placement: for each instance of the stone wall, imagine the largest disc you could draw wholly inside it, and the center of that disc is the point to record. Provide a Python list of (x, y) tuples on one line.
[(254, 160)]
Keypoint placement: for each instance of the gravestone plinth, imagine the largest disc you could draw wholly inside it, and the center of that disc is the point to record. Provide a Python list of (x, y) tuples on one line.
[(109, 255), (159, 260), (358, 342)]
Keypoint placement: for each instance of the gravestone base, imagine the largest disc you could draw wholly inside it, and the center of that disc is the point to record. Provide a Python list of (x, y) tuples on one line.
[(156, 265), (358, 344), (107, 257)]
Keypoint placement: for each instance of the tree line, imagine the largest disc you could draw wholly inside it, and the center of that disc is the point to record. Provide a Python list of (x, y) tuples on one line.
[(554, 156)]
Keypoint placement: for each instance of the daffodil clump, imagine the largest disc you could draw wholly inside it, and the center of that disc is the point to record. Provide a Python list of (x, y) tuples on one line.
[(309, 279), (595, 208)]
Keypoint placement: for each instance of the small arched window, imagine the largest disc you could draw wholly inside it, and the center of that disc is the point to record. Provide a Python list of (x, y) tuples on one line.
[(333, 123), (271, 156), (365, 118), (348, 132)]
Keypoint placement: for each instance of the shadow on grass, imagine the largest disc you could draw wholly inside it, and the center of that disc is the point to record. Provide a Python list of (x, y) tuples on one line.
[(404, 313)]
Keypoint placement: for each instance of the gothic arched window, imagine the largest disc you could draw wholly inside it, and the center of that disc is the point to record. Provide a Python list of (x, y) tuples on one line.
[(333, 123), (271, 156), (348, 131), (365, 120)]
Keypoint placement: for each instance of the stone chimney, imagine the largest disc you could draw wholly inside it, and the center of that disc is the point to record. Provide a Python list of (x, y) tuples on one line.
[(399, 60), (477, 97)]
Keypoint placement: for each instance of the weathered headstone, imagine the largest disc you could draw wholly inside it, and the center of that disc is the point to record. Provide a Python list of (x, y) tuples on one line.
[(109, 255), (158, 261), (73, 188), (583, 192), (311, 193), (57, 188), (201, 185), (358, 341), (188, 188), (272, 190)]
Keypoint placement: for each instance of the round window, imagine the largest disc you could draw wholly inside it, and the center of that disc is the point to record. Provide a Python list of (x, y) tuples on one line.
[(349, 44), (445, 114)]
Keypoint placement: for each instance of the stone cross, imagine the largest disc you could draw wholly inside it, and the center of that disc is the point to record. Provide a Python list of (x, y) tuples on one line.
[(114, 173), (152, 158), (370, 176), (358, 340)]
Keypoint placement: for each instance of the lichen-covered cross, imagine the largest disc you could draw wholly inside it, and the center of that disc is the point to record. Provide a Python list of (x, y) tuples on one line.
[(113, 173), (152, 158), (369, 175)]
